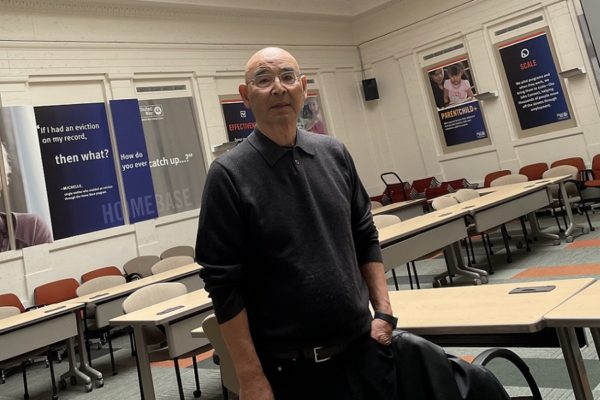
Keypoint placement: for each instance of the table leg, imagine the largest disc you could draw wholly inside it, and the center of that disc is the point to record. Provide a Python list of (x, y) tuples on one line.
[(457, 266), (574, 361), (143, 364), (84, 365), (565, 198), (73, 374), (537, 231), (596, 338)]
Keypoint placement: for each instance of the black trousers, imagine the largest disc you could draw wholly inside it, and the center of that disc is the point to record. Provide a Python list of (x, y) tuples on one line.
[(365, 371)]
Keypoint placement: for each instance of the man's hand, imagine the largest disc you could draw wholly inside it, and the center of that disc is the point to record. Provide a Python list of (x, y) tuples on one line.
[(381, 331), (256, 389)]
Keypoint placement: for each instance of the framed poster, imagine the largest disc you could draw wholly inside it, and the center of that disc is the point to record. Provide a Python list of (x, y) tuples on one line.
[(453, 96), (239, 120), (538, 97)]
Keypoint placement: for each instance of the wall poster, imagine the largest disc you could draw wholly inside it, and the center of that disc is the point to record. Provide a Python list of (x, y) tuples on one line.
[(239, 120), (79, 168), (22, 188), (174, 153), (453, 93), (533, 81), (311, 117)]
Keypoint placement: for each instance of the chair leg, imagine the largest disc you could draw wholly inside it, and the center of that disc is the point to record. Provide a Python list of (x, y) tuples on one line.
[(178, 376), (415, 274), (448, 267), (395, 279), (409, 276), (112, 355), (472, 251), (197, 392), (524, 228), (506, 244), (587, 216), (131, 341), (25, 387), (52, 377), (466, 244), (488, 253)]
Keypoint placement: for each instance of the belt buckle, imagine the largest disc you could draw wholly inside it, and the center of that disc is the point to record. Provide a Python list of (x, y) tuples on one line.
[(316, 355)]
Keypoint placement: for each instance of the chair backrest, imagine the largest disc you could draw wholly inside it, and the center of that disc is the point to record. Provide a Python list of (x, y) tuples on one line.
[(103, 271), (170, 263), (210, 326), (534, 171), (55, 292), (596, 166), (178, 251), (421, 184), (562, 170), (576, 162), (383, 220), (443, 202), (8, 311), (494, 175), (466, 194), (375, 204), (508, 179), (140, 265), (11, 299), (150, 295), (99, 283)]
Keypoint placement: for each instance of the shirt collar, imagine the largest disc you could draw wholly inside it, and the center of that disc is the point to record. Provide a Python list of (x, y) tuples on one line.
[(272, 152)]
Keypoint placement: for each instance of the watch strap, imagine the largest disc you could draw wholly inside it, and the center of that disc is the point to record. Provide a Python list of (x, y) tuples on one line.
[(387, 318)]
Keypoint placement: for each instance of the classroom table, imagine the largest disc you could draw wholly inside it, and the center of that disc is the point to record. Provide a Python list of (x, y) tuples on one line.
[(108, 302), (403, 209), (580, 311), (179, 316), (462, 313), (408, 240), (44, 326)]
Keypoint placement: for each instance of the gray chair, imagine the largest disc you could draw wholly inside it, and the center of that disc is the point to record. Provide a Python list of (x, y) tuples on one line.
[(572, 187), (171, 263), (229, 380), (178, 251), (91, 328), (156, 341), (139, 267), (381, 221), (23, 360), (509, 180)]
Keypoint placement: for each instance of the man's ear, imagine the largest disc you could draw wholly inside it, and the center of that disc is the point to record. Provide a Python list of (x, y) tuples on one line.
[(243, 89), (304, 81)]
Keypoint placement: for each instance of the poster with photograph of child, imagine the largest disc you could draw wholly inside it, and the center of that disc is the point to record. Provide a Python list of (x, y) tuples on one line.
[(311, 117)]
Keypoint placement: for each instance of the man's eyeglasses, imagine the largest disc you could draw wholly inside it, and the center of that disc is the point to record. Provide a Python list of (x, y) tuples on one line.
[(286, 78)]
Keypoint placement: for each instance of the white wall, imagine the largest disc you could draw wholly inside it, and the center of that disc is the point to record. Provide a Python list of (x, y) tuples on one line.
[(393, 43), (57, 52)]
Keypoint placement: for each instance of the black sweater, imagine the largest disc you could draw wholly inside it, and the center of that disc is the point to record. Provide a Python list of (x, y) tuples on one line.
[(282, 233)]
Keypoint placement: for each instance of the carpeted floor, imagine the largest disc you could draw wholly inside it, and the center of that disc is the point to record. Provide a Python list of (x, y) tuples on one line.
[(546, 261)]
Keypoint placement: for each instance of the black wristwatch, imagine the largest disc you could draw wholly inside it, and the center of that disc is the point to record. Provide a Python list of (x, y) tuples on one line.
[(390, 319)]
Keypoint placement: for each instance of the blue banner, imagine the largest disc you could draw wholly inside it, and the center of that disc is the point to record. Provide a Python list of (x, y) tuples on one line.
[(239, 120), (79, 168), (534, 82), (462, 123), (133, 160)]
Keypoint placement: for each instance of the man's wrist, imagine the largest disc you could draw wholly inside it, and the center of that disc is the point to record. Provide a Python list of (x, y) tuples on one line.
[(390, 319)]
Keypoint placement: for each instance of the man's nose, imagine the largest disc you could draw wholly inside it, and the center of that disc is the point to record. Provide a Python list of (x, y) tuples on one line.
[(278, 87)]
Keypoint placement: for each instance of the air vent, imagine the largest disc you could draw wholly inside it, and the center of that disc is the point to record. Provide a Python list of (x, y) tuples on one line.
[(169, 88), (444, 51), (519, 25)]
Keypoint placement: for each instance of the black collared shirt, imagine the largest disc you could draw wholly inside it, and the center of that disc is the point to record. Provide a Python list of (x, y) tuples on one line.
[(282, 233)]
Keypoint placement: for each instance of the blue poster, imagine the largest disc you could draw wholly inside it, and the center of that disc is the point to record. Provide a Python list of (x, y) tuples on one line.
[(239, 120), (534, 82), (462, 123), (133, 160), (79, 168)]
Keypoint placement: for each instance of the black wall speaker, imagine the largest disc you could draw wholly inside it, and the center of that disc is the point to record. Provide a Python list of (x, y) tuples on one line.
[(370, 89)]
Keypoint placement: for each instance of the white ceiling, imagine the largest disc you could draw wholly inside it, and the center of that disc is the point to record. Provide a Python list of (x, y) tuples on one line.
[(333, 8)]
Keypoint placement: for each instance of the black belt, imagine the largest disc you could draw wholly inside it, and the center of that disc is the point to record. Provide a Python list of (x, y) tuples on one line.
[(317, 354)]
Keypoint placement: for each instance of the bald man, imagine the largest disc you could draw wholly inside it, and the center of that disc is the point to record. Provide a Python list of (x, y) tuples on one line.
[(291, 256)]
